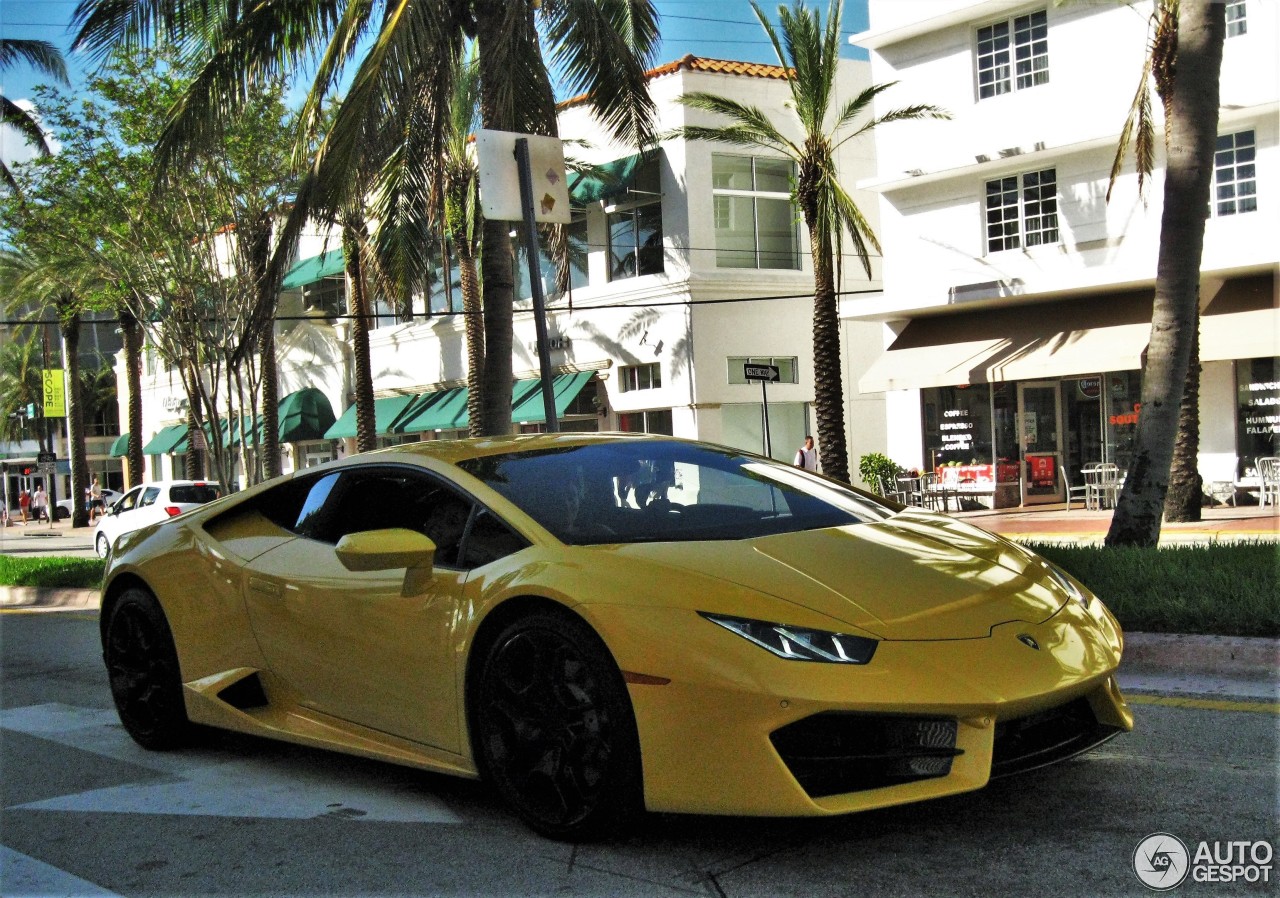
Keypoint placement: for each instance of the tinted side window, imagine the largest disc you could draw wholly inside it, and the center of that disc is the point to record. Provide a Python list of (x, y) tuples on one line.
[(149, 496), (489, 539), (130, 500)]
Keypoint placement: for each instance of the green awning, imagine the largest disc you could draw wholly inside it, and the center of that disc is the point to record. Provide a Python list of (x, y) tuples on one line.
[(163, 442), (120, 448), (442, 410), (305, 415), (252, 427), (317, 268), (585, 189), (564, 389), (184, 445), (386, 412)]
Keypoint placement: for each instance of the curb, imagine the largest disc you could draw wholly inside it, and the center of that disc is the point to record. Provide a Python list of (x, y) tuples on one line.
[(35, 598), (1243, 656)]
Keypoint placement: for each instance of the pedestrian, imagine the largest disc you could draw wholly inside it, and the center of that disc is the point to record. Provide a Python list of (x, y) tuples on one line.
[(24, 503), (807, 456), (39, 504), (96, 506)]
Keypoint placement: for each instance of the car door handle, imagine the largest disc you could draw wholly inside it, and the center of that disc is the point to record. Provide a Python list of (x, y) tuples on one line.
[(264, 586)]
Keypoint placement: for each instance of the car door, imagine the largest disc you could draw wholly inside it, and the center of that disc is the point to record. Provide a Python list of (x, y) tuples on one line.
[(351, 644), (122, 515)]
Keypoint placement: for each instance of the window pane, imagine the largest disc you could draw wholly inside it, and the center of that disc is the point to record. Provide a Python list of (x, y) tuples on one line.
[(649, 232), (622, 245), (773, 175), (735, 232), (659, 421), (731, 172), (779, 241)]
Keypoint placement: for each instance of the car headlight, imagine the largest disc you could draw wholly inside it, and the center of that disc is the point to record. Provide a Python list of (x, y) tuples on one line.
[(799, 643), (1067, 585)]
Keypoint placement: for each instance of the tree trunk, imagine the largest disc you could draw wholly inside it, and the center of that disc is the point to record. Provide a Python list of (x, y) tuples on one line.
[(828, 400), (135, 473), (358, 307), (472, 308), (1192, 117), (270, 402), (1186, 487), (75, 426)]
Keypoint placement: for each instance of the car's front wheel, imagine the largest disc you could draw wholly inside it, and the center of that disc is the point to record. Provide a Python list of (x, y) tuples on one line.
[(554, 730), (142, 667), (102, 545)]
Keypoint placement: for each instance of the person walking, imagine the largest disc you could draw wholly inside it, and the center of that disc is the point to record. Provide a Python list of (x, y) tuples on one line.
[(807, 456), (96, 506), (24, 504), (39, 503)]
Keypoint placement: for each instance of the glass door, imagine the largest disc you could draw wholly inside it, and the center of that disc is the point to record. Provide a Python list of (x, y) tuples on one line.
[(1040, 441)]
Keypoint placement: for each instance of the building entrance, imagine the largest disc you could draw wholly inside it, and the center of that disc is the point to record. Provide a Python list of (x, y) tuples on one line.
[(1040, 441)]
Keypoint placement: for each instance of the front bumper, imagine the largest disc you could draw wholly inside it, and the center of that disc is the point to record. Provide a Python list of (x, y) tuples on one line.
[(737, 731)]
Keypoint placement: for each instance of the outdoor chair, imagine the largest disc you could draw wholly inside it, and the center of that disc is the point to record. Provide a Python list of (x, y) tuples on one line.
[(1269, 475), (1102, 486), (1072, 491)]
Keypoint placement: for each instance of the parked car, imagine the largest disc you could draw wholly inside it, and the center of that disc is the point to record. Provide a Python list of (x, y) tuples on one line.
[(149, 504), (548, 612), (109, 496)]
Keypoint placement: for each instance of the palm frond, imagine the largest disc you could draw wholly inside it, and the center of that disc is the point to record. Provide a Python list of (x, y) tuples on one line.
[(42, 56), (23, 121), (749, 120), (603, 48)]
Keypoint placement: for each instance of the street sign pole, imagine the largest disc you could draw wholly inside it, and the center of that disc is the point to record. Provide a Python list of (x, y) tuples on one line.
[(535, 282), (764, 374)]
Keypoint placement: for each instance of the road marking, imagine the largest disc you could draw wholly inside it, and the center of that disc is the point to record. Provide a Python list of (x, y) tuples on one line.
[(221, 783), (27, 876), (1204, 704)]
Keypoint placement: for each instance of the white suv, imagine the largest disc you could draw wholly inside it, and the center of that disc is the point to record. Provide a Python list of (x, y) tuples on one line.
[(148, 504)]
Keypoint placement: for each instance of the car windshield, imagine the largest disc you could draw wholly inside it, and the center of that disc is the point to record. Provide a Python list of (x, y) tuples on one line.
[(194, 493), (659, 490)]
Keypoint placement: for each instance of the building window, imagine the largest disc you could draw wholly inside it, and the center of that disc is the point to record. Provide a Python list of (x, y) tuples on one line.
[(755, 220), (656, 421), (640, 377), (1022, 207), (786, 367), (1237, 24), (1013, 55), (1234, 179), (635, 227)]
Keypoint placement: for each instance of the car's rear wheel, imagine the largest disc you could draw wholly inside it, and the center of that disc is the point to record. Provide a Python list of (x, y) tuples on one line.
[(554, 729), (102, 545), (142, 666)]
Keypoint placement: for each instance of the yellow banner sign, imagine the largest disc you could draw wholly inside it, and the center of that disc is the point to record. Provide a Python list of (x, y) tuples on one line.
[(55, 394)]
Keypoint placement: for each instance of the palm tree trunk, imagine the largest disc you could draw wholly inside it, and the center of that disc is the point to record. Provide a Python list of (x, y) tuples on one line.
[(270, 402), (135, 473), (1186, 487), (469, 277), (70, 328), (358, 308), (1192, 120), (828, 386)]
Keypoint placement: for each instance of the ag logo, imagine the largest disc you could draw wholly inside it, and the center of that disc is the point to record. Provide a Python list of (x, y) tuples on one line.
[(1161, 861)]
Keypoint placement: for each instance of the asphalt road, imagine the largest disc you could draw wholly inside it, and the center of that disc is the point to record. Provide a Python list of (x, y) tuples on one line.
[(88, 813)]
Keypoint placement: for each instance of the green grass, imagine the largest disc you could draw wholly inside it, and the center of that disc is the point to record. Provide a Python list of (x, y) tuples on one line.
[(53, 572), (1222, 589)]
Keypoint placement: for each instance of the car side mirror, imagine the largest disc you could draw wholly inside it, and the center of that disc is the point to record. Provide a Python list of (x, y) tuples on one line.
[(386, 550)]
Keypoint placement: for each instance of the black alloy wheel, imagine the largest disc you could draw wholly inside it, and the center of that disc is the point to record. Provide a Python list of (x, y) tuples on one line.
[(554, 729), (142, 667)]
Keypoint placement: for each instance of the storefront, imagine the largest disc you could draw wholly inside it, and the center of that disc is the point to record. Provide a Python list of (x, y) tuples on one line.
[(1010, 410)]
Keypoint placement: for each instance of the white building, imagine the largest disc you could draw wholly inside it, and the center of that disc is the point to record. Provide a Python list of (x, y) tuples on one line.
[(691, 262), (1017, 301)]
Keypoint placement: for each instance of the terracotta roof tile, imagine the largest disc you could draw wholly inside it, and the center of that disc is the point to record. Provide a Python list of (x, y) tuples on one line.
[(702, 64)]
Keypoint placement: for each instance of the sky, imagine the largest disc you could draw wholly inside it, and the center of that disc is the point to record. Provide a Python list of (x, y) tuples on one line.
[(722, 29)]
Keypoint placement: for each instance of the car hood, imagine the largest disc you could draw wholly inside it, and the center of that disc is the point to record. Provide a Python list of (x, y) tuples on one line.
[(915, 576)]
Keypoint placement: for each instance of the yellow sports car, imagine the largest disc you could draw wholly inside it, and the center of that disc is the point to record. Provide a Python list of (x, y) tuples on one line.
[(598, 624)]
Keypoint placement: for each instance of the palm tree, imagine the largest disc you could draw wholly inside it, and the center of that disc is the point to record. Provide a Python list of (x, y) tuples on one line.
[(1189, 39), (809, 52), (19, 385), (602, 48), (44, 57)]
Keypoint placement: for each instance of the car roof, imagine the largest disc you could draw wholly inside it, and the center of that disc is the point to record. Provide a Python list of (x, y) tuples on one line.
[(454, 451)]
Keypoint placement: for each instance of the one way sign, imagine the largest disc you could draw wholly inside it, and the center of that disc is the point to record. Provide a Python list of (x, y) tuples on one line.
[(768, 373)]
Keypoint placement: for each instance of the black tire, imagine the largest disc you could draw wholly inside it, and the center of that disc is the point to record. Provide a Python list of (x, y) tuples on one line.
[(554, 731), (102, 545), (142, 667), (61, 514)]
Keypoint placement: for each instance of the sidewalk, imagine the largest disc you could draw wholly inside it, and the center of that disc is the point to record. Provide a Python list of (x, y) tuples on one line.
[(1054, 523)]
